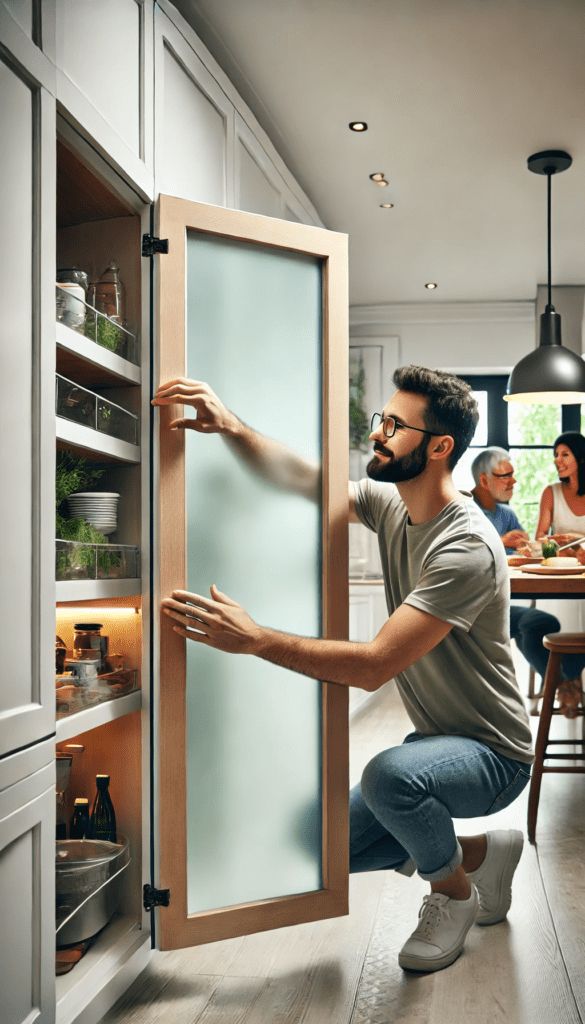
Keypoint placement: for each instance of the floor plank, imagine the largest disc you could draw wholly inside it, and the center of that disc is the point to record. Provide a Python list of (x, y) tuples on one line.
[(527, 970), (561, 865)]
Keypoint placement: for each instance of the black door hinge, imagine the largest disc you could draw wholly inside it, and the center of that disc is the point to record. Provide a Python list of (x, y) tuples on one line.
[(155, 897), (150, 245)]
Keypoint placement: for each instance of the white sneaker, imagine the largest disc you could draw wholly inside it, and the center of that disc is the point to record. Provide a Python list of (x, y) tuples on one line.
[(438, 939), (493, 878)]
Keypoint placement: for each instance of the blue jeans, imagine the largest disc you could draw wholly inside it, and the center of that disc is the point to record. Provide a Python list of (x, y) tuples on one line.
[(527, 628), (401, 813)]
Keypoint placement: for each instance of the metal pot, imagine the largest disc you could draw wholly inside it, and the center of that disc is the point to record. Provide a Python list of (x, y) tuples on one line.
[(89, 875)]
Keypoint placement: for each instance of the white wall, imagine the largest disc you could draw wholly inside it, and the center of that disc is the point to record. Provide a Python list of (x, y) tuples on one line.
[(462, 337)]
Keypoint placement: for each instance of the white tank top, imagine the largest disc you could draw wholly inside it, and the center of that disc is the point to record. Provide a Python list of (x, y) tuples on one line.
[(563, 520)]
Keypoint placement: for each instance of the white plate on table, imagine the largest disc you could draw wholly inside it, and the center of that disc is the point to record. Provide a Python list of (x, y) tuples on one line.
[(551, 570)]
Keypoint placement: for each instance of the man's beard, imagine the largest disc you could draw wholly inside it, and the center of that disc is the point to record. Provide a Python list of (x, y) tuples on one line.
[(395, 471)]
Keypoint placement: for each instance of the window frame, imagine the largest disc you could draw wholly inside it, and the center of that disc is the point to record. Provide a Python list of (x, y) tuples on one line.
[(497, 425)]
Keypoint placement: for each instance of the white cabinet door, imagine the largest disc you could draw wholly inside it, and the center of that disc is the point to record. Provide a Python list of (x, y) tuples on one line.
[(104, 79), (27, 888), (194, 123), (27, 346)]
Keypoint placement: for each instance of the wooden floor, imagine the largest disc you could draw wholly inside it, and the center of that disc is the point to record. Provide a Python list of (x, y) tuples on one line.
[(527, 970)]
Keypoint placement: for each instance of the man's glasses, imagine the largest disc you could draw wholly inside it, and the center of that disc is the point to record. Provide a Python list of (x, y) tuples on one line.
[(390, 426)]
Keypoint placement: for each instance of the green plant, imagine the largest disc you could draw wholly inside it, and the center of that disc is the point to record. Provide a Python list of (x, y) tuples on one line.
[(75, 474), (358, 420), (108, 334)]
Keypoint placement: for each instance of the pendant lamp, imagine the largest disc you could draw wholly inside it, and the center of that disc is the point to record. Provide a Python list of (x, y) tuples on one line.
[(552, 374)]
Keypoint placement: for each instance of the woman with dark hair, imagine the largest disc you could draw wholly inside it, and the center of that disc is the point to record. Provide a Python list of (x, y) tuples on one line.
[(562, 505), (562, 511)]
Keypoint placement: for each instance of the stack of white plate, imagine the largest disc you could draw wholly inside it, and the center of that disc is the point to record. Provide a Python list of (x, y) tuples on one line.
[(100, 508)]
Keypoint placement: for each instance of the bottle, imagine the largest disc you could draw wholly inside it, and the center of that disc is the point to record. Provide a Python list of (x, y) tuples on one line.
[(110, 293), (79, 827), (103, 816)]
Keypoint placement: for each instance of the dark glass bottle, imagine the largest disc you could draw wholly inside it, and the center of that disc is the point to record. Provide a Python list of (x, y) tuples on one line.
[(103, 816), (79, 827)]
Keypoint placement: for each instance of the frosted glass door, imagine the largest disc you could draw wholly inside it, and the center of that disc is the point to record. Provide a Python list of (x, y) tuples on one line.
[(253, 728), (253, 756)]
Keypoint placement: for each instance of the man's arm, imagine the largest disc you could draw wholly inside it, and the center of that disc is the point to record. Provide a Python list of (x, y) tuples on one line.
[(271, 460), (222, 623)]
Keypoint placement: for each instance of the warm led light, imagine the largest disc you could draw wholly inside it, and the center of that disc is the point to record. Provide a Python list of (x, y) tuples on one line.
[(430, 285), (85, 610), (378, 176), (358, 126), (386, 206), (382, 183)]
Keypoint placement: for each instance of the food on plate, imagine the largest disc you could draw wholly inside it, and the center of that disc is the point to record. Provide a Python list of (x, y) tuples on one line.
[(549, 548), (561, 563)]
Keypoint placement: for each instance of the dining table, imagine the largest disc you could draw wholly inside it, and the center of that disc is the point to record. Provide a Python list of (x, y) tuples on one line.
[(547, 586)]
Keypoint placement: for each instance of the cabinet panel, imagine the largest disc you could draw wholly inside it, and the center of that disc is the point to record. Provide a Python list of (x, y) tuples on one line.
[(193, 121), (22, 12), (27, 895), (16, 180), (255, 192), (99, 49), (26, 173)]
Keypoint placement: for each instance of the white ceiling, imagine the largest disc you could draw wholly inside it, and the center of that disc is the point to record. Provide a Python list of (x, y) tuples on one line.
[(457, 94)]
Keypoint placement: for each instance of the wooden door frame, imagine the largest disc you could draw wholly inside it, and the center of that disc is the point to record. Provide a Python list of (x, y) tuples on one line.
[(178, 929)]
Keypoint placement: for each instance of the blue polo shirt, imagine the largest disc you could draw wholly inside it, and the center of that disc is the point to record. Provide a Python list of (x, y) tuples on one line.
[(504, 519)]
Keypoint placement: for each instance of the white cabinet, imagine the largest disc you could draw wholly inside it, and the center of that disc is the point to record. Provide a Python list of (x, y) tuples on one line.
[(27, 114), (27, 886), (103, 56)]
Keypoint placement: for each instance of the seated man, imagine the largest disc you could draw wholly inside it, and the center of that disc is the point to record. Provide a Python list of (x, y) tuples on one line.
[(493, 474)]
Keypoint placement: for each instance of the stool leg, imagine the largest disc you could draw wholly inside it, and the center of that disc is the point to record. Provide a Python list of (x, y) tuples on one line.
[(551, 681)]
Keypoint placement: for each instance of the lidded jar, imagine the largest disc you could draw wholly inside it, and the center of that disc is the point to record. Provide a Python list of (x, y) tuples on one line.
[(109, 297), (82, 634)]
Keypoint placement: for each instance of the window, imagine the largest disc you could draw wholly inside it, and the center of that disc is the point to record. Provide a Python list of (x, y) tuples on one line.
[(527, 432)]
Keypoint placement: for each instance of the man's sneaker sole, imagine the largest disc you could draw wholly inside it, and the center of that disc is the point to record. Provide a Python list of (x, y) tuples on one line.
[(504, 893)]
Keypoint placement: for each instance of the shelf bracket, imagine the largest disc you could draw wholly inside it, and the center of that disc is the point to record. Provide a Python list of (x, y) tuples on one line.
[(155, 897), (151, 245)]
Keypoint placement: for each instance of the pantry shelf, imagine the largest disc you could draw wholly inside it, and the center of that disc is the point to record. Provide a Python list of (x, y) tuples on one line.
[(121, 939), (96, 590), (99, 714), (83, 360), (93, 444)]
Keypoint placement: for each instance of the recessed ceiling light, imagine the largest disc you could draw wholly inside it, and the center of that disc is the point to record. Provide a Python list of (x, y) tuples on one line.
[(358, 126), (378, 176), (382, 183), (430, 285), (386, 206)]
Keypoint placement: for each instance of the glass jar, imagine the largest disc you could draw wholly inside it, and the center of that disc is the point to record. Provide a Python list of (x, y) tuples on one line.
[(109, 298), (73, 275), (82, 634)]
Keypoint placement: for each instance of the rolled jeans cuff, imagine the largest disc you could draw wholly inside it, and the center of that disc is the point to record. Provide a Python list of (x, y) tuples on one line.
[(447, 870)]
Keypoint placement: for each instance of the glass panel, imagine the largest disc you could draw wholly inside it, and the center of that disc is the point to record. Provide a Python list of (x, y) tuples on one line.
[(462, 477), (253, 728), (533, 470), (481, 431), (533, 424)]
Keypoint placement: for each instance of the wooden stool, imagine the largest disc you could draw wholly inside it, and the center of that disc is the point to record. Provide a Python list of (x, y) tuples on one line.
[(558, 644)]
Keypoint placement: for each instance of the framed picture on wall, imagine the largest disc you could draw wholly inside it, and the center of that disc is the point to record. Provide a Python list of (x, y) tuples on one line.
[(372, 361)]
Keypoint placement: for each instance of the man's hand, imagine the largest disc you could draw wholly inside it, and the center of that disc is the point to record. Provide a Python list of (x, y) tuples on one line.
[(514, 538), (218, 622), (212, 415)]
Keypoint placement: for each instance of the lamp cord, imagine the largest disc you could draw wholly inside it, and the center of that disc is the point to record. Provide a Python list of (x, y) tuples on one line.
[(549, 174)]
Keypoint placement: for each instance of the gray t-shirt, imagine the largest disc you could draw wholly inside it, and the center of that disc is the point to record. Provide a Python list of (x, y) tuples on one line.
[(453, 567)]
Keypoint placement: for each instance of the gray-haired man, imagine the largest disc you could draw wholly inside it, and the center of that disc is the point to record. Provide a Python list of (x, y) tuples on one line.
[(493, 474)]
